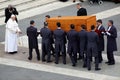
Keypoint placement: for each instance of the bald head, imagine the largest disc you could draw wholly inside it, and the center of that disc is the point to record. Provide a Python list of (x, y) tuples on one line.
[(13, 17)]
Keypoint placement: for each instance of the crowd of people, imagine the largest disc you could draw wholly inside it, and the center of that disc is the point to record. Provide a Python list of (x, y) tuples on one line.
[(81, 45), (97, 1)]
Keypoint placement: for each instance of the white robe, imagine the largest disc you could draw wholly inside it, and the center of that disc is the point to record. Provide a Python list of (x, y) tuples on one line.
[(11, 36)]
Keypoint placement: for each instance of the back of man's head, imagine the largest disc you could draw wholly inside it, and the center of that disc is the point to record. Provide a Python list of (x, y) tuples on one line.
[(78, 4), (48, 16), (83, 26), (72, 26), (58, 24), (92, 27), (32, 22)]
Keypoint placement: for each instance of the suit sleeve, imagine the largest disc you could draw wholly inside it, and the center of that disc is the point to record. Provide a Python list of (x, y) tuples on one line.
[(27, 32), (37, 33), (85, 12), (65, 37), (114, 33), (6, 13), (15, 12), (41, 32), (97, 38)]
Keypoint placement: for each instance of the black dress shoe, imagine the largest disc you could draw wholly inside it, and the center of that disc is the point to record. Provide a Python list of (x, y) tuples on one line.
[(74, 65), (49, 61), (111, 63), (38, 59), (100, 61), (11, 52), (29, 58), (15, 52), (64, 63), (43, 60), (97, 69), (107, 62), (84, 66), (89, 69), (56, 62)]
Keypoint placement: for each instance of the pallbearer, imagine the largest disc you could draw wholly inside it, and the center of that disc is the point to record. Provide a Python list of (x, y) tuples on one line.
[(72, 37), (52, 40), (92, 48), (101, 31), (32, 40), (111, 42), (82, 36), (60, 41), (46, 35)]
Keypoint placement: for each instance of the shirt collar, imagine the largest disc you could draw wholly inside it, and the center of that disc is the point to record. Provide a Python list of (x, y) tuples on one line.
[(58, 28)]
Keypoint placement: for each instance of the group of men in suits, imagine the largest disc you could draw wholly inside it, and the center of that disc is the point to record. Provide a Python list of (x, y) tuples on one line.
[(88, 44)]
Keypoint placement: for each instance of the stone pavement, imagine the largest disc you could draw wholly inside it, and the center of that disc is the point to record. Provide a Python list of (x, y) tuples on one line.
[(20, 60)]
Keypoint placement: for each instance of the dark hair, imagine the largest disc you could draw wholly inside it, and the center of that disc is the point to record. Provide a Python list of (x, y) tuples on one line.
[(79, 4), (58, 24), (32, 22), (83, 26), (48, 16), (92, 27), (72, 26), (99, 20), (45, 24), (111, 21)]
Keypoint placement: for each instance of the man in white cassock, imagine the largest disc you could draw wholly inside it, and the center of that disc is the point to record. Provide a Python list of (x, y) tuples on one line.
[(11, 36)]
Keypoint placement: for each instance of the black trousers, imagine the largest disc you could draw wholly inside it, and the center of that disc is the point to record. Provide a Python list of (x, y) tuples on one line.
[(89, 62), (110, 57), (52, 49), (84, 58), (46, 51), (57, 55), (37, 52), (73, 57), (100, 58)]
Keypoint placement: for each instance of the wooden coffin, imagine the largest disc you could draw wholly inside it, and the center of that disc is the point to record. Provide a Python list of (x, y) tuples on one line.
[(67, 20)]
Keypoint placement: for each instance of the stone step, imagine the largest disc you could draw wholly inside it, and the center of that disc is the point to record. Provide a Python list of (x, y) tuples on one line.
[(39, 10), (29, 5), (1, 1), (13, 2)]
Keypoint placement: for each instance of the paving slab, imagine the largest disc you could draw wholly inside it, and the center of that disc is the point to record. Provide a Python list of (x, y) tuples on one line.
[(16, 73)]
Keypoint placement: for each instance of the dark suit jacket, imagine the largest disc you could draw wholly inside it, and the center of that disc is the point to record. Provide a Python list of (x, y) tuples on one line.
[(82, 35), (92, 44), (46, 35), (101, 38), (72, 37), (111, 40), (8, 14), (60, 40), (32, 37), (82, 12)]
